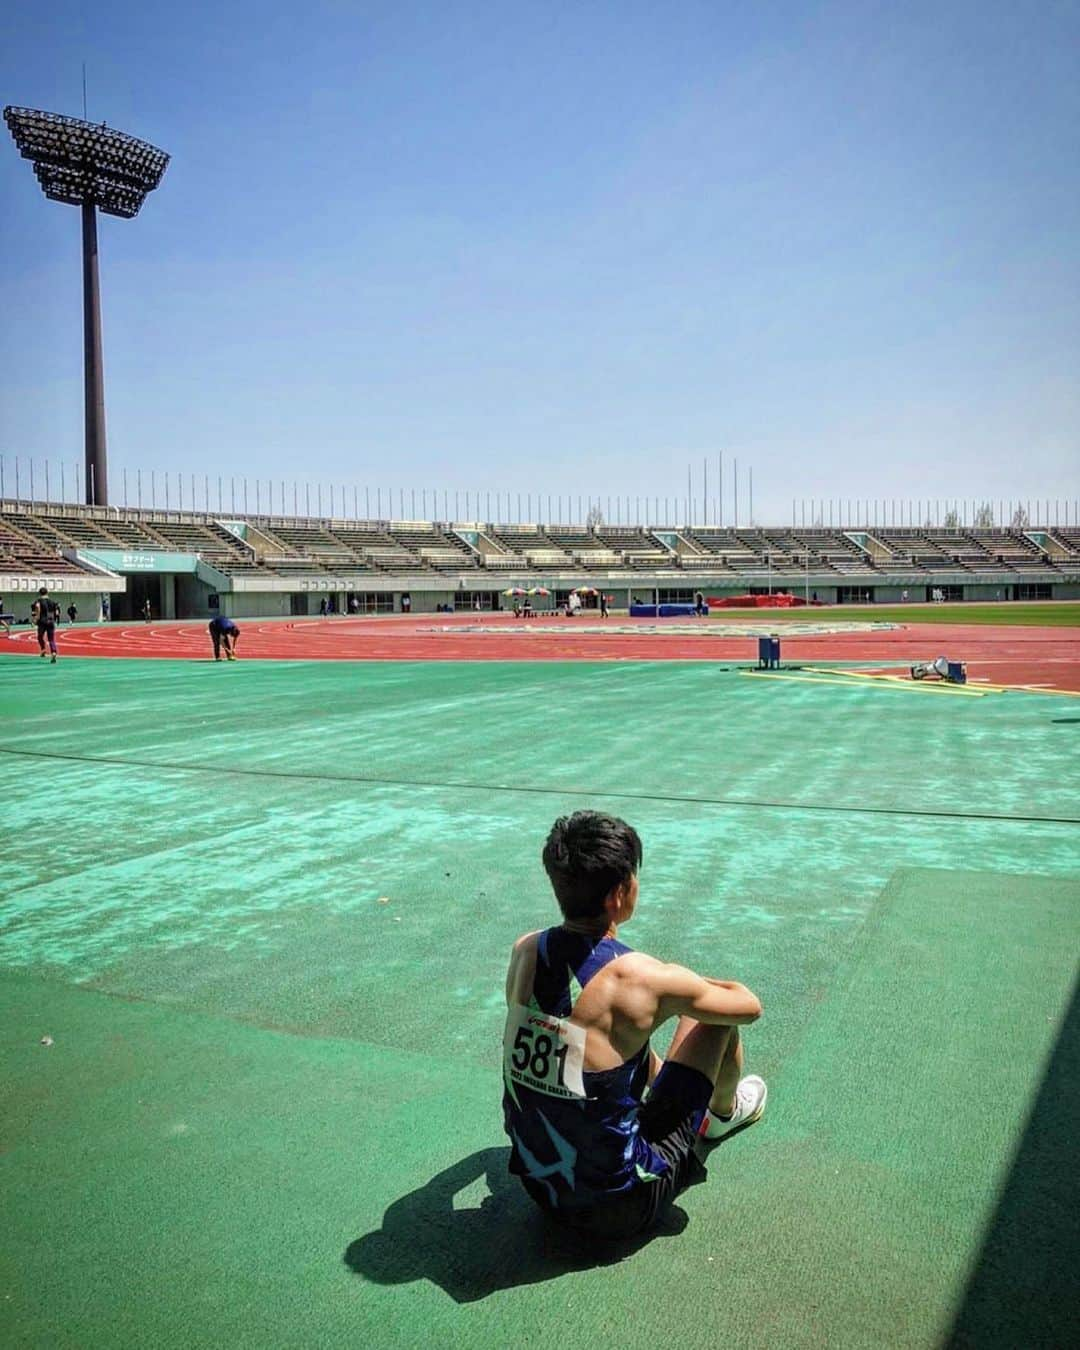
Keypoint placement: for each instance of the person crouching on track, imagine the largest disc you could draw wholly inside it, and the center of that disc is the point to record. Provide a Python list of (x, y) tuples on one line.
[(223, 634), (45, 614), (576, 1053)]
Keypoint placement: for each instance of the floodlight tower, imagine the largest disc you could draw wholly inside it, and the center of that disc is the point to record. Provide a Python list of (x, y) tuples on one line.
[(92, 167)]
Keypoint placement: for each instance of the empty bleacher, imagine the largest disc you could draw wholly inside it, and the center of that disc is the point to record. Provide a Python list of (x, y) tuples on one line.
[(33, 539), (437, 549)]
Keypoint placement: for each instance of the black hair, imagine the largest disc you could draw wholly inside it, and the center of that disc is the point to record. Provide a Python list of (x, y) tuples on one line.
[(586, 856)]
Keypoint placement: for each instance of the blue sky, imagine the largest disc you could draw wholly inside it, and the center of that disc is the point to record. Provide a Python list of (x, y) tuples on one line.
[(565, 247)]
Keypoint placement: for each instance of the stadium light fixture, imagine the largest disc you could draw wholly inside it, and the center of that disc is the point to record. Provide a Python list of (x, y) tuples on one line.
[(96, 168)]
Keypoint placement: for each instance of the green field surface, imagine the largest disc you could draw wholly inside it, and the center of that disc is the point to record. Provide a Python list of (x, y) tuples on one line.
[(1041, 614), (263, 912)]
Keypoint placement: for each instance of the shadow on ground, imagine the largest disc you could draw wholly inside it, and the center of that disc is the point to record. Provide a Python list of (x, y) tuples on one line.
[(473, 1252), (1024, 1289)]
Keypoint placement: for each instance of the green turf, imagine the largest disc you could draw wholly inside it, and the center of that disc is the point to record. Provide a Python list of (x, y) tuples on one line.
[(1044, 614), (285, 1129)]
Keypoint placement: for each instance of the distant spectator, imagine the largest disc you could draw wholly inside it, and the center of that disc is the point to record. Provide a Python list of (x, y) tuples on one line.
[(354, 604), (603, 605), (146, 611), (44, 616), (700, 607), (72, 612), (6, 620), (406, 604), (573, 603), (903, 596), (324, 607), (106, 607)]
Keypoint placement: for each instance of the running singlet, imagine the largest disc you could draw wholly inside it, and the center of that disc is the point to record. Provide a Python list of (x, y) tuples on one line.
[(574, 1133)]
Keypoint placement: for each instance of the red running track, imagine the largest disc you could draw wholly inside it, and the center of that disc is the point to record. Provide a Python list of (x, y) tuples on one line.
[(1049, 657)]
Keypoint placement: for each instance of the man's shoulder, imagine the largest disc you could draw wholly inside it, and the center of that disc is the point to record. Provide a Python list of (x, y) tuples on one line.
[(641, 968), (636, 965), (527, 940)]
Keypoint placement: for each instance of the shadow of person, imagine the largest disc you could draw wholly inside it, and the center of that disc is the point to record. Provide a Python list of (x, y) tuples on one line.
[(474, 1251)]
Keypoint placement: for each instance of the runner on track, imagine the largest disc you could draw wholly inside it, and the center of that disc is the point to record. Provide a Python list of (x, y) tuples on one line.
[(576, 1053), (45, 614), (223, 633)]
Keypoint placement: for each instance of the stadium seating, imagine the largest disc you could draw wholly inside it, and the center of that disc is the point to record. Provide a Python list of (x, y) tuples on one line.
[(32, 540)]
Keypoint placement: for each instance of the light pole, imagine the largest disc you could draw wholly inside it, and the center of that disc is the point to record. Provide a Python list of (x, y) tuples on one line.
[(92, 167)]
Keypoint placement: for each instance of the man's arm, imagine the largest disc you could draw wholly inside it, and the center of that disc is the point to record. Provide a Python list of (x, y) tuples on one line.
[(682, 993), (522, 964)]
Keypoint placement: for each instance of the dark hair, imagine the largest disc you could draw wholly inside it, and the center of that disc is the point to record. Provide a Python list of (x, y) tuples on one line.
[(586, 856)]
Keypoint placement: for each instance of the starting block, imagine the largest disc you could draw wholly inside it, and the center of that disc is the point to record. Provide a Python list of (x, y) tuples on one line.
[(768, 653), (952, 672)]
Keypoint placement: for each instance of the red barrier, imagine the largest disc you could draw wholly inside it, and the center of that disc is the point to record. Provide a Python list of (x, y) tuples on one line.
[(778, 600)]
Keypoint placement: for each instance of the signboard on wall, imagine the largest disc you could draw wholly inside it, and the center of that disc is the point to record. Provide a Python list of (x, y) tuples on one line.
[(68, 582), (144, 560)]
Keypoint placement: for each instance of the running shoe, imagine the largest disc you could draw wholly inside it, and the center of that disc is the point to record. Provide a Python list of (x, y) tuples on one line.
[(749, 1103)]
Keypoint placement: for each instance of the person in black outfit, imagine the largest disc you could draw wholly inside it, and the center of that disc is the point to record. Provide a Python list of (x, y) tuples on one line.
[(72, 612), (45, 614), (223, 633)]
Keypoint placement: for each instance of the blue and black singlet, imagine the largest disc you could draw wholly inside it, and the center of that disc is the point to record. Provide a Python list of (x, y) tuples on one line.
[(577, 1152)]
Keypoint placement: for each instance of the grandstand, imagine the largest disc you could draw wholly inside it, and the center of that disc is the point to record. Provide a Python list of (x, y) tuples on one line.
[(191, 564)]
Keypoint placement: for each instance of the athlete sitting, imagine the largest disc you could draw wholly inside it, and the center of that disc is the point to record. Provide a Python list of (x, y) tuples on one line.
[(223, 634), (576, 1053)]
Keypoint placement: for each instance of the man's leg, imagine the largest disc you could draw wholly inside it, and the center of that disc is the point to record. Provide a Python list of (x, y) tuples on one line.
[(717, 1053), (216, 640), (50, 630), (714, 1051)]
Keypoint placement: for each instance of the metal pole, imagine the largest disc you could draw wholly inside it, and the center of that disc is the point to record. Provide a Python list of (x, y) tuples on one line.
[(93, 365), (735, 484)]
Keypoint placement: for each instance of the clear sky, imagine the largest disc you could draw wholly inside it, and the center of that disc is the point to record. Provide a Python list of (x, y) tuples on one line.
[(566, 246)]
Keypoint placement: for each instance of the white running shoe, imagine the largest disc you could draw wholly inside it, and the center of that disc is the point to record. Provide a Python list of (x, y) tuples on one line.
[(750, 1098)]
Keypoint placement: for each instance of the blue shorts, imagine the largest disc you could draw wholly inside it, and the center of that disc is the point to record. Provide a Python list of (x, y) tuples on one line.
[(669, 1119)]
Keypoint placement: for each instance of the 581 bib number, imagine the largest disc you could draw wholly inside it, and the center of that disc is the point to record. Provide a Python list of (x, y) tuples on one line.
[(544, 1053)]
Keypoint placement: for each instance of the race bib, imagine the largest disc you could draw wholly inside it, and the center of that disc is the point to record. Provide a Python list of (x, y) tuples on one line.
[(544, 1053)]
